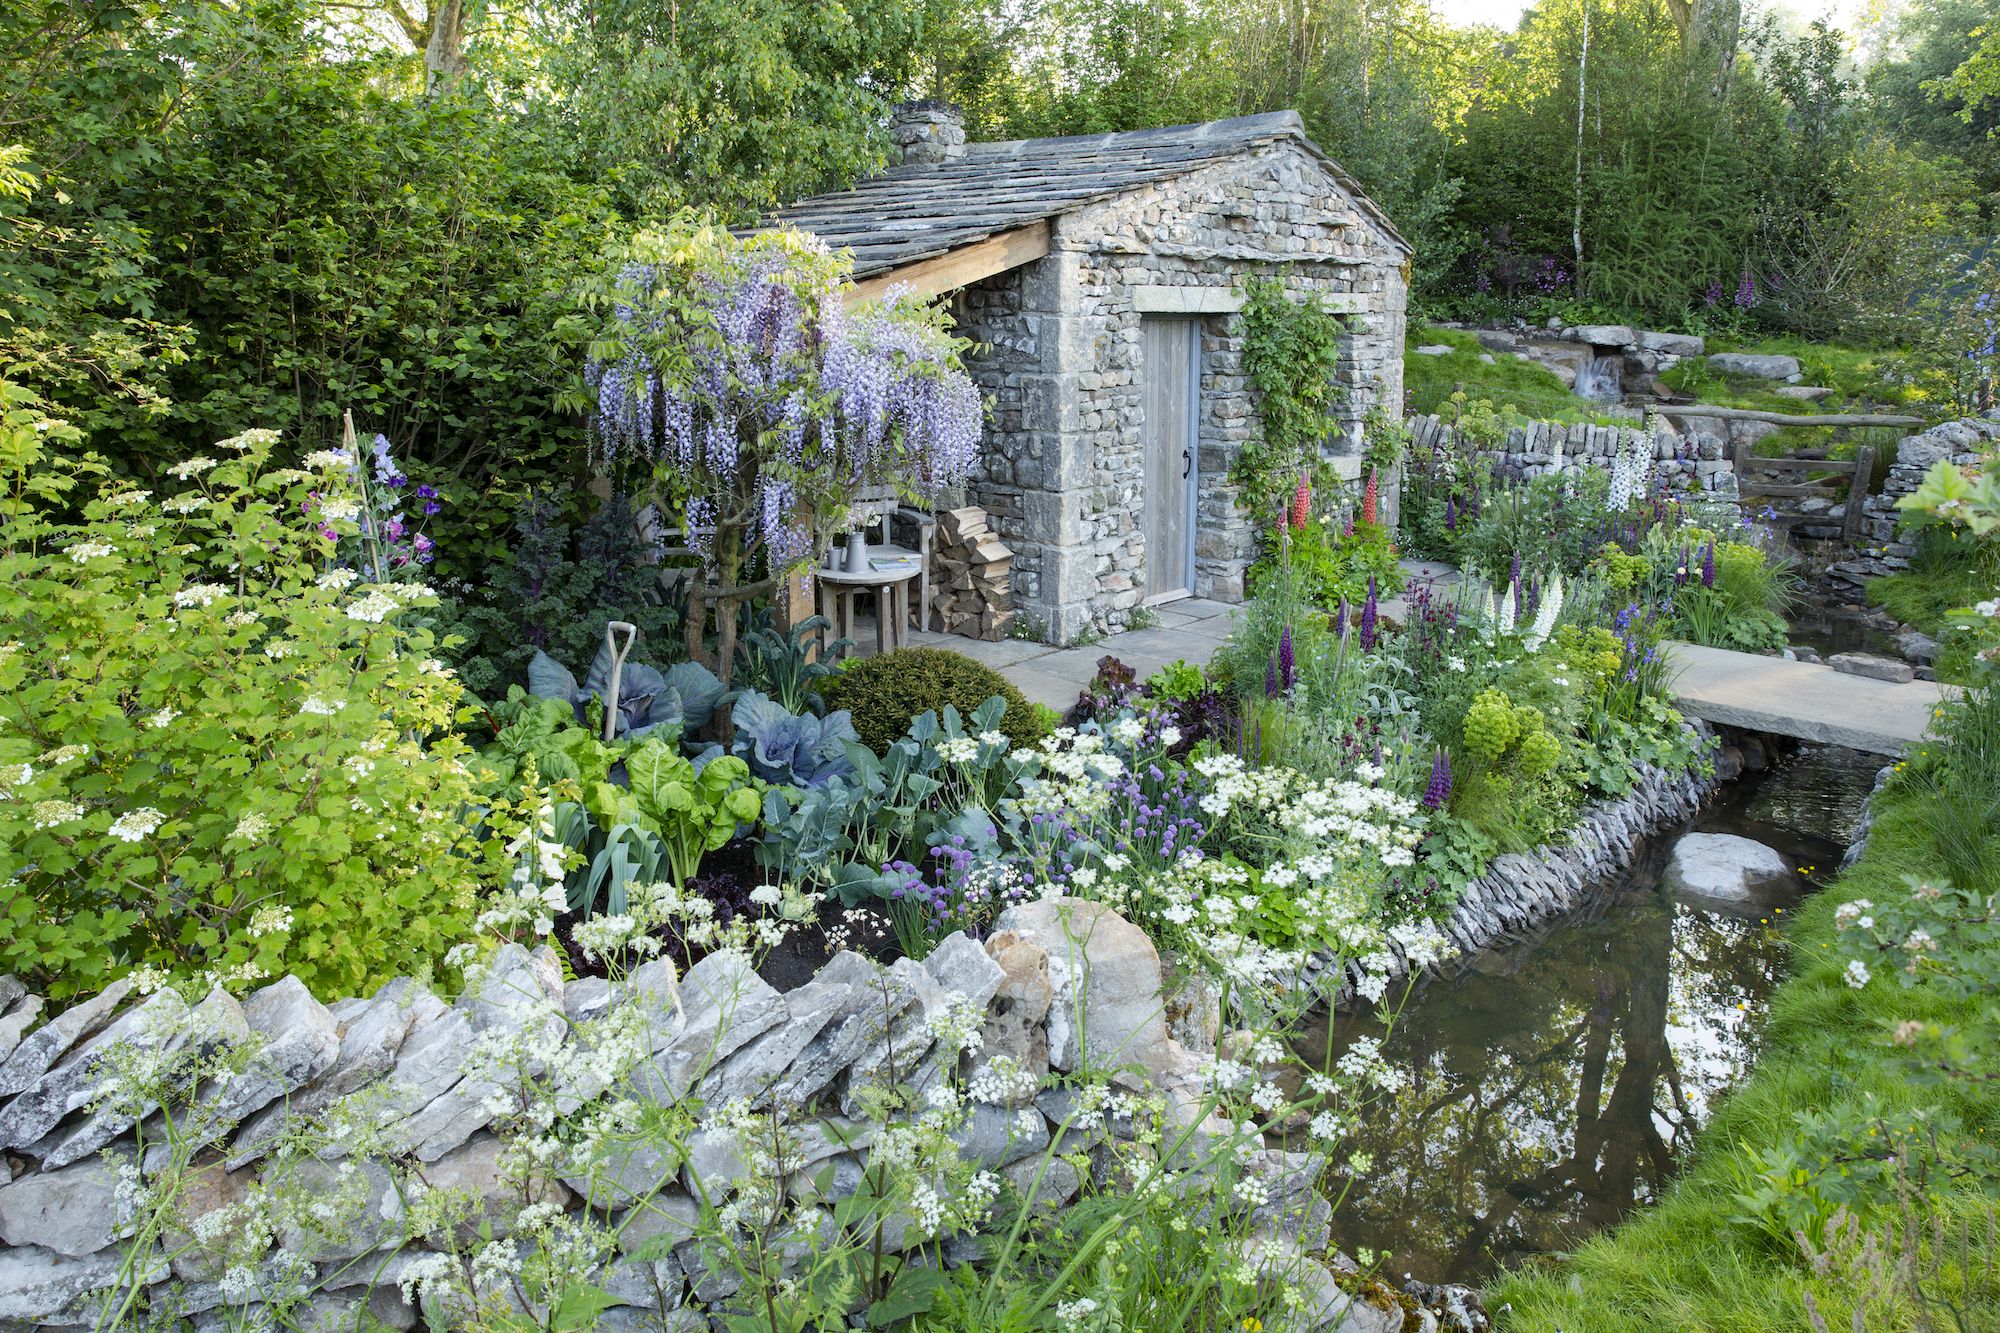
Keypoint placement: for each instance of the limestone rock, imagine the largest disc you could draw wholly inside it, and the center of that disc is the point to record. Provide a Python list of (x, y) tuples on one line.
[(1724, 872), (1015, 1018), (16, 1023), (75, 1211), (371, 1038), (727, 1005), (1805, 393), (1106, 962), (365, 1207), (158, 1025), (1604, 335), (1750, 363), (1873, 667), (37, 1052), (473, 1171), (207, 1189), (1436, 349), (669, 1214), (40, 1285), (1672, 344), (995, 1136)]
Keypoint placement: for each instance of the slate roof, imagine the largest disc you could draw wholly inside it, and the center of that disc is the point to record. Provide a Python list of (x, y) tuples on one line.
[(916, 212)]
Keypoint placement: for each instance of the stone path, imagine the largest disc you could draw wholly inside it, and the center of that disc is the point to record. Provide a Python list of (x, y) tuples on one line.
[(1803, 699), (1192, 628)]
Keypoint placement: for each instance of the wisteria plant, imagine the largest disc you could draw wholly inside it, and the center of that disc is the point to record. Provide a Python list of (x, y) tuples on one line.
[(732, 373)]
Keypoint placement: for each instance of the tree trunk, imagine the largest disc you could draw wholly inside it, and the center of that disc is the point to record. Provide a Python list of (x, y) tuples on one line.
[(444, 51)]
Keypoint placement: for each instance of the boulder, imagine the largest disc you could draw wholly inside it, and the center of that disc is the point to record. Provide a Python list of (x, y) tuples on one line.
[(1805, 393), (1671, 344), (1436, 349), (1872, 667), (1725, 873), (1106, 973), (1755, 365), (1917, 646), (1603, 335)]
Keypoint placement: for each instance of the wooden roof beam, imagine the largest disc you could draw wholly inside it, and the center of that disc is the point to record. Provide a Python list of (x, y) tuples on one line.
[(960, 267)]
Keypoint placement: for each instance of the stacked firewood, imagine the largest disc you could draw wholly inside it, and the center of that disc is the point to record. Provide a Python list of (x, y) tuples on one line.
[(972, 580)]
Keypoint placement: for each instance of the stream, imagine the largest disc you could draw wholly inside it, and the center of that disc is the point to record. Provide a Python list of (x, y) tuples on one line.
[(1555, 1083)]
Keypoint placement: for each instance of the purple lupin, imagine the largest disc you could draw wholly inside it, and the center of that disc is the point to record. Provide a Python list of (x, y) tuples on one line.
[(1271, 677), (1287, 662), (1708, 564), (1438, 790), (1451, 513), (1368, 613)]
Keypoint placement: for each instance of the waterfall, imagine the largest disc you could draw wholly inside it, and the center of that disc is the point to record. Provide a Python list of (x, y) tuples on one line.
[(1602, 380)]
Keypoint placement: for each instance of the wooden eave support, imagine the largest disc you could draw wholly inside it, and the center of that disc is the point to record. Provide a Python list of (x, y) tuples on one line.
[(958, 268)]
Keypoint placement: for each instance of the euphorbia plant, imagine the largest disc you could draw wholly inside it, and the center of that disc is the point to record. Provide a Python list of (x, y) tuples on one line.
[(731, 370)]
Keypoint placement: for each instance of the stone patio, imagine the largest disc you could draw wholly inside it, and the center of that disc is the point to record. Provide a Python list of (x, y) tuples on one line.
[(1192, 628)]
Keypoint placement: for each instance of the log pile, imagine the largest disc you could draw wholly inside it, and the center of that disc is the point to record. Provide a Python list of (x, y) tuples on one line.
[(972, 579)]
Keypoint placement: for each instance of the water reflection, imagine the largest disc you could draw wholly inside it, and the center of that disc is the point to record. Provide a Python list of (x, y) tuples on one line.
[(1555, 1083)]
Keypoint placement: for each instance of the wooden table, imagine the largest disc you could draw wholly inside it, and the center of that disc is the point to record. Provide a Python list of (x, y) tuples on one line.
[(890, 586)]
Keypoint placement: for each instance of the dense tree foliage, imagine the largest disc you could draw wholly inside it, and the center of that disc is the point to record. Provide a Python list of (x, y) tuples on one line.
[(215, 213)]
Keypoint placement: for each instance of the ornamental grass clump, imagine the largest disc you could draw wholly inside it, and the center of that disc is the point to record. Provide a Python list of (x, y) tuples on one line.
[(223, 757)]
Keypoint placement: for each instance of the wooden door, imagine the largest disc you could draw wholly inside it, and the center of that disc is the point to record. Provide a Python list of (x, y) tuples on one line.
[(1170, 394)]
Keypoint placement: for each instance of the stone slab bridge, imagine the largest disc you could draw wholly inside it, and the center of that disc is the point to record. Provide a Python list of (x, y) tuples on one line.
[(1802, 699)]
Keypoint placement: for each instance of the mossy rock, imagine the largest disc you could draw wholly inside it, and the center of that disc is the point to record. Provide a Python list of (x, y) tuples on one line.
[(885, 693)]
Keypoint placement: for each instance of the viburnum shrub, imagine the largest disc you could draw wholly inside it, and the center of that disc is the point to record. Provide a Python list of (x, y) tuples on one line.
[(221, 759)]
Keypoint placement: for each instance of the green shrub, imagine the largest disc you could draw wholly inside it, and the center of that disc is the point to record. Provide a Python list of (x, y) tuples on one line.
[(223, 757), (884, 693)]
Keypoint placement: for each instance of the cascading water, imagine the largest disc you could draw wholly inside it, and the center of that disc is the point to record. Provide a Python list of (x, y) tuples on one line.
[(1602, 381)]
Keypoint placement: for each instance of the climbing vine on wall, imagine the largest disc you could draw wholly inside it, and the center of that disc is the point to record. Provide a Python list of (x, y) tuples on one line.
[(1291, 353)]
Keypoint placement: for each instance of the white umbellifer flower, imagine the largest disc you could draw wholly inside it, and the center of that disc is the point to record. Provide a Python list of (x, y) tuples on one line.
[(199, 594), (82, 552), (314, 706), (372, 609), (248, 439), (992, 738), (136, 824), (56, 813), (767, 895), (191, 467), (1170, 736), (1128, 730), (1074, 1313), (958, 750), (1857, 974)]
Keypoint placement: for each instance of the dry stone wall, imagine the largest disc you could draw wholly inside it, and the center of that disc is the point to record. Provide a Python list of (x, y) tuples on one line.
[(1064, 465), (411, 1099), (1697, 465), (1882, 550)]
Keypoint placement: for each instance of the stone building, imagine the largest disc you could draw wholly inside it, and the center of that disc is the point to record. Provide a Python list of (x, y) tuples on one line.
[(1100, 276)]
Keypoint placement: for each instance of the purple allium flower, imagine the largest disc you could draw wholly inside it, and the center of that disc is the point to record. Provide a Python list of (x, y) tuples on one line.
[(1368, 614), (1438, 790)]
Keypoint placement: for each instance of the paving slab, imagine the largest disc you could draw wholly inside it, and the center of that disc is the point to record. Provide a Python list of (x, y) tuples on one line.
[(1803, 699)]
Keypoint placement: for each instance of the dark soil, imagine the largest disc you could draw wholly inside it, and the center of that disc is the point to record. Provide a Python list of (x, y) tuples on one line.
[(727, 875)]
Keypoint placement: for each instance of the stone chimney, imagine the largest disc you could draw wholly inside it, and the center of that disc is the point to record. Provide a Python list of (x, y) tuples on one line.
[(926, 133)]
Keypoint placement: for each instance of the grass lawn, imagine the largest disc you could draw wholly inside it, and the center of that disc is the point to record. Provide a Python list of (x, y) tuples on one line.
[(1688, 1264), (1858, 378), (1529, 388)]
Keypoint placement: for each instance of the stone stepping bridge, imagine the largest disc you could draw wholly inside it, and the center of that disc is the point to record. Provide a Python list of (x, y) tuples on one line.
[(1806, 700)]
